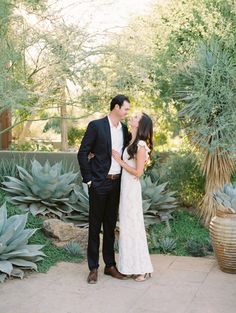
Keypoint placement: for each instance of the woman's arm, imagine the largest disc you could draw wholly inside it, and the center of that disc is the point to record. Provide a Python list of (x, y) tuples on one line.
[(141, 159)]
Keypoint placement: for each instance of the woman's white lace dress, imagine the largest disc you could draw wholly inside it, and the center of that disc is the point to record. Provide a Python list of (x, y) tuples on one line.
[(133, 250)]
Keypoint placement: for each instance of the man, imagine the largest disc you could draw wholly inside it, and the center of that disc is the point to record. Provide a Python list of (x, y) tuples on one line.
[(102, 175)]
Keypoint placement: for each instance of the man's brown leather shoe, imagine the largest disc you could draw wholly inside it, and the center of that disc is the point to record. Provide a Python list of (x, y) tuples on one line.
[(112, 271), (93, 276)]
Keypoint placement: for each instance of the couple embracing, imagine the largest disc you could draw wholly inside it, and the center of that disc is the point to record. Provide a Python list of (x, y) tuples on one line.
[(112, 175)]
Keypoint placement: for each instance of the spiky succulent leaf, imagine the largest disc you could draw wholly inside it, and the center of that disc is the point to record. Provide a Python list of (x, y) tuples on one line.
[(226, 197), (46, 189), (158, 203), (15, 252), (80, 204)]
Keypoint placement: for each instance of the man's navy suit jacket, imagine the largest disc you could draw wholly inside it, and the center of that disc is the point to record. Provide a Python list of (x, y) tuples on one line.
[(97, 140)]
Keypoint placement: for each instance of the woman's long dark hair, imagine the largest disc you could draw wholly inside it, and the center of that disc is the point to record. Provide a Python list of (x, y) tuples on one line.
[(145, 133)]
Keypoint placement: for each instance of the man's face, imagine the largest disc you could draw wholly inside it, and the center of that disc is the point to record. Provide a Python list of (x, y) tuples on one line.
[(123, 110)]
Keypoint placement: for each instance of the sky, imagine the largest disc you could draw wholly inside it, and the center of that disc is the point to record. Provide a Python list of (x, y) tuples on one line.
[(99, 15)]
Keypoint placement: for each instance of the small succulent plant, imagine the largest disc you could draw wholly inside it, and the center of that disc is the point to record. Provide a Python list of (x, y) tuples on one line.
[(226, 198), (74, 249), (167, 244)]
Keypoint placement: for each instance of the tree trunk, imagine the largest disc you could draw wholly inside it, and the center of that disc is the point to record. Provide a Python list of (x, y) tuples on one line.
[(5, 122), (64, 128)]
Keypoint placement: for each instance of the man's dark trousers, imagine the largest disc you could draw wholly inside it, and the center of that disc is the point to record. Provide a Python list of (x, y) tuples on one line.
[(104, 203)]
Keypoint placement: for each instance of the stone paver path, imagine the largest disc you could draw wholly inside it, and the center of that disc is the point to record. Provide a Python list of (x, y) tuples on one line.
[(179, 285)]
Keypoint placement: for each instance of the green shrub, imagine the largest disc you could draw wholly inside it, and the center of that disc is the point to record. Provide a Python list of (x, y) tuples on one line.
[(183, 227), (31, 146), (233, 177), (75, 135), (196, 248), (183, 173)]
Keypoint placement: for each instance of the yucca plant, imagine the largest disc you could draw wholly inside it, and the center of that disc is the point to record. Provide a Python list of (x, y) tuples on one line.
[(44, 189), (79, 201), (15, 252), (158, 203), (226, 198), (208, 88)]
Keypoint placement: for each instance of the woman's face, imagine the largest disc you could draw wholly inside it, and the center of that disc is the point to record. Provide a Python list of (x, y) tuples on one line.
[(134, 120)]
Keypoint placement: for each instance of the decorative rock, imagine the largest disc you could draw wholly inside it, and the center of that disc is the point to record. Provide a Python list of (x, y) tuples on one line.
[(64, 232)]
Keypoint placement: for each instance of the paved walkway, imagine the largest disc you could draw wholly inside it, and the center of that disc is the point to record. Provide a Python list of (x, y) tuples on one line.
[(179, 285)]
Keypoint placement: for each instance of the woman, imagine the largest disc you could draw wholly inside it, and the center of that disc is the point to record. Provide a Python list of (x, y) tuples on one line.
[(134, 257)]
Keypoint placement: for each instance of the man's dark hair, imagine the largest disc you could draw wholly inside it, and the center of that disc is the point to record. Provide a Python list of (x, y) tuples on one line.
[(119, 99)]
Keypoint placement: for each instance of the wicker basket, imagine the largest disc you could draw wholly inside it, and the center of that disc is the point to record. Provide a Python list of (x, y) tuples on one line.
[(223, 235)]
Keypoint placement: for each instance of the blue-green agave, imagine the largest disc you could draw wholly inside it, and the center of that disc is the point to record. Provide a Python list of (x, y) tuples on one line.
[(15, 252), (158, 203), (226, 197), (45, 190), (79, 200)]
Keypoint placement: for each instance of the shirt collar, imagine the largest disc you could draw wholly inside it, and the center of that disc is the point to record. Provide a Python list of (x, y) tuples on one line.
[(112, 126)]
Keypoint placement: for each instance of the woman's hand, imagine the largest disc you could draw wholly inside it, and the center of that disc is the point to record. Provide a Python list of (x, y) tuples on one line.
[(116, 156)]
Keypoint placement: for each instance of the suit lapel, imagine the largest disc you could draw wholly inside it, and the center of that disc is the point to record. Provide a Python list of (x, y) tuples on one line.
[(124, 135), (107, 133)]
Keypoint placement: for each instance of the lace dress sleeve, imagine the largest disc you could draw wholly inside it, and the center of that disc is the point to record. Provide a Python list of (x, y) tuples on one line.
[(142, 143)]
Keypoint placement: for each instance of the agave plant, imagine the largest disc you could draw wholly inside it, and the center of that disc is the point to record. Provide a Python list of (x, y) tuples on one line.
[(226, 198), (167, 244), (8, 166), (45, 190), (74, 249), (79, 201), (157, 202), (15, 252)]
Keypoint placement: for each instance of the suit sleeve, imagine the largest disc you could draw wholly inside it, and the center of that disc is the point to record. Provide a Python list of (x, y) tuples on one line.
[(84, 150)]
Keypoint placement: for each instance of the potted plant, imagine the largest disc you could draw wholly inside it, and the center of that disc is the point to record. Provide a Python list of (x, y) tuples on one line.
[(223, 228)]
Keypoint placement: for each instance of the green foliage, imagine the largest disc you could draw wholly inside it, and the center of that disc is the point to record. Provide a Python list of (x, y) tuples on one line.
[(233, 178), (158, 203), (74, 249), (8, 166), (226, 197), (184, 175), (161, 138), (53, 253), (75, 135), (31, 146), (183, 226), (196, 248), (80, 201), (15, 252), (43, 190), (167, 244), (53, 123), (207, 85)]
